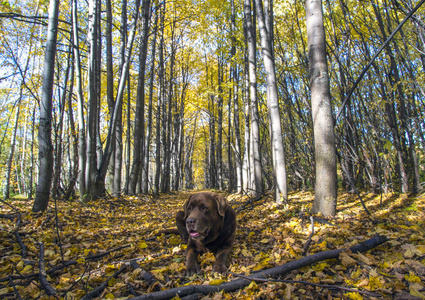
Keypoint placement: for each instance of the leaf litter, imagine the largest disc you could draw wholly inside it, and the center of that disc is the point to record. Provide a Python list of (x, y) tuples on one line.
[(114, 248)]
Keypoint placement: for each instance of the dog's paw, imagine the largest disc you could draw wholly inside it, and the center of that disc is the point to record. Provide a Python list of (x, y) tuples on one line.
[(193, 269), (220, 268)]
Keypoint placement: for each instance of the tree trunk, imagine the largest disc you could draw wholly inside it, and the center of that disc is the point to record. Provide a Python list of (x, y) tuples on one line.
[(255, 161), (236, 112), (324, 140), (158, 108), (80, 105), (59, 132), (45, 147), (278, 151), (92, 107), (6, 194), (145, 173), (139, 126)]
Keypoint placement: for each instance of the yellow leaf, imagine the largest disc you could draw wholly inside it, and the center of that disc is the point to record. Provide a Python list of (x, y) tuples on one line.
[(374, 283), (20, 265), (354, 296), (264, 241), (110, 296), (27, 270), (246, 252), (5, 290), (112, 281), (412, 278), (142, 245), (320, 266), (217, 281), (160, 270), (81, 260), (416, 293)]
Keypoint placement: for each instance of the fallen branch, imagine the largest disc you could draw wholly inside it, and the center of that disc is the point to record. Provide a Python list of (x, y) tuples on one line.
[(10, 217), (267, 273), (34, 275), (326, 286), (42, 275), (97, 291)]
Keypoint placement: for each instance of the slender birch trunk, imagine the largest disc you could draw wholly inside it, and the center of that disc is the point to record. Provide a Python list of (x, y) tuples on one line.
[(255, 163), (45, 152), (278, 151), (80, 105)]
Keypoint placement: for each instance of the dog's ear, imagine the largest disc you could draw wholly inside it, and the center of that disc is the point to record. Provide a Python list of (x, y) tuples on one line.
[(221, 203), (185, 207)]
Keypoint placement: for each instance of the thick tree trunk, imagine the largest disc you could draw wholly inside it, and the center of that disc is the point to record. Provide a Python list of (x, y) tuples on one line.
[(324, 140), (45, 126)]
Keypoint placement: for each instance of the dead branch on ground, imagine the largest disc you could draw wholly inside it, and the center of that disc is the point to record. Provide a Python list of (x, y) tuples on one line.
[(267, 273)]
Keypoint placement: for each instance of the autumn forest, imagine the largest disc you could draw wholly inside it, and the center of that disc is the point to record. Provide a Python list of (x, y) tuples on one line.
[(118, 110)]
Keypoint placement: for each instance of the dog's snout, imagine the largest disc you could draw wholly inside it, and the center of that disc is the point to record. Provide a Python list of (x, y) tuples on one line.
[(190, 221)]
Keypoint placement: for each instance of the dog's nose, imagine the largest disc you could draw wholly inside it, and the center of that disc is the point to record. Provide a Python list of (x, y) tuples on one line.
[(190, 221)]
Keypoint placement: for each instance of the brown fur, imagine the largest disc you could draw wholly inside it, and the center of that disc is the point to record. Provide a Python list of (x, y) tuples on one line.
[(207, 223)]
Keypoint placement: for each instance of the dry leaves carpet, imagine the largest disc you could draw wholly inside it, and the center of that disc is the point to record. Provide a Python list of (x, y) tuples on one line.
[(267, 235)]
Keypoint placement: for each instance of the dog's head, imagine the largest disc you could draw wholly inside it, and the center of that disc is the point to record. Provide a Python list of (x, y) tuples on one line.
[(204, 215)]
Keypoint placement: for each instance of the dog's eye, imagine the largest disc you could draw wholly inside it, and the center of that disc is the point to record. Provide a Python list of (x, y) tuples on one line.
[(204, 208), (189, 207)]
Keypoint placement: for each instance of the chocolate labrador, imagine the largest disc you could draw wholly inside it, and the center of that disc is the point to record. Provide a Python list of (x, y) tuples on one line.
[(207, 223)]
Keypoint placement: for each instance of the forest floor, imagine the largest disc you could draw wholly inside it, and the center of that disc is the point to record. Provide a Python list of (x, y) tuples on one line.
[(267, 235)]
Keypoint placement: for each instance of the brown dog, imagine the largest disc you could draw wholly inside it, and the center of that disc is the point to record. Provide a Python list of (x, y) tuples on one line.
[(207, 223)]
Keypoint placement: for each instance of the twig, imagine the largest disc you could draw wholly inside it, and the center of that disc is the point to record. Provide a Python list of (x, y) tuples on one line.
[(57, 228), (14, 288), (10, 205), (18, 236), (326, 286), (307, 244), (42, 275), (10, 217), (97, 291), (251, 201), (352, 183)]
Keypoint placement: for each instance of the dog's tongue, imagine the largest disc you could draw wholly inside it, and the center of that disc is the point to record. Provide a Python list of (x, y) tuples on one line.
[(194, 234)]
